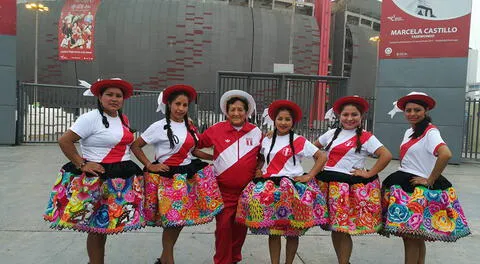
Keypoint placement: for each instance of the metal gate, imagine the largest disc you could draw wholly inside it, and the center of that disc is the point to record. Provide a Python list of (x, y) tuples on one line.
[(46, 111), (302, 89), (471, 128)]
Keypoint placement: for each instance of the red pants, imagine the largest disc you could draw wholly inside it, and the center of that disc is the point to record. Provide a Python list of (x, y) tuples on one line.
[(229, 236)]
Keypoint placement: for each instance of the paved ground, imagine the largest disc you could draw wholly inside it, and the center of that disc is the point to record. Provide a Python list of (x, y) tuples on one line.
[(27, 173)]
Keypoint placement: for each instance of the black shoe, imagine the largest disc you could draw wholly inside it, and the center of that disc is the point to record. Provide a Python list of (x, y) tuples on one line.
[(158, 261)]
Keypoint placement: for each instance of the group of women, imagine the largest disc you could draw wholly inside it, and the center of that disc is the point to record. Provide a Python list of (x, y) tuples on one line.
[(255, 181)]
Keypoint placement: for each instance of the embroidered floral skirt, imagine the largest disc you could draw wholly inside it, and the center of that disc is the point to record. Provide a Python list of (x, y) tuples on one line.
[(354, 205), (280, 206), (109, 204), (418, 212), (184, 198)]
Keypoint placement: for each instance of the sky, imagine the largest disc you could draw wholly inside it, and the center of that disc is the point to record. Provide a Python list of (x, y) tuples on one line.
[(475, 25)]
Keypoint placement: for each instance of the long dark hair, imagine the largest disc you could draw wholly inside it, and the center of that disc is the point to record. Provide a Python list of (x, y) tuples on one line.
[(274, 137), (420, 127), (168, 127), (358, 130), (104, 118)]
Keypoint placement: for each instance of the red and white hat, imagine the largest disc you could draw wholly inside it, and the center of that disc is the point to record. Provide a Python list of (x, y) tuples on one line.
[(275, 105), (192, 94), (417, 96), (337, 106), (99, 86), (237, 93)]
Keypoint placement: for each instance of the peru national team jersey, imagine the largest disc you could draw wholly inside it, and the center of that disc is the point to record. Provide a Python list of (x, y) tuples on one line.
[(101, 144), (234, 154), (181, 154), (281, 156), (418, 156), (341, 154)]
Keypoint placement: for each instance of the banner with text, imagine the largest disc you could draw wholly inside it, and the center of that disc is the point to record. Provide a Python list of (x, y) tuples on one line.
[(424, 28), (76, 28)]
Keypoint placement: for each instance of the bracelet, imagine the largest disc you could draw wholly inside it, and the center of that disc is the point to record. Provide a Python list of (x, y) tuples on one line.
[(81, 165)]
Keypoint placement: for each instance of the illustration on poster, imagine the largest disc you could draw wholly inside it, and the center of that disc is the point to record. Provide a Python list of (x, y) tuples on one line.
[(435, 9)]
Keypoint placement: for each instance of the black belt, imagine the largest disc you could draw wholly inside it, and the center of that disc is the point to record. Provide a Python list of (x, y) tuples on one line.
[(122, 169), (190, 169), (403, 179), (335, 176)]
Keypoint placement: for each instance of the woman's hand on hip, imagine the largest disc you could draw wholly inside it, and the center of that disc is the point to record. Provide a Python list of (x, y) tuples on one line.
[(93, 168), (157, 167)]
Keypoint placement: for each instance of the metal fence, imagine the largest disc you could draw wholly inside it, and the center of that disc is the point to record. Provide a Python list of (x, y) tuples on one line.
[(45, 111), (302, 89), (471, 128)]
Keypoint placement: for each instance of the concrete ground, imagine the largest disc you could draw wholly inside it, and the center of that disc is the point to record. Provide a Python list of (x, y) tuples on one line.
[(27, 173)]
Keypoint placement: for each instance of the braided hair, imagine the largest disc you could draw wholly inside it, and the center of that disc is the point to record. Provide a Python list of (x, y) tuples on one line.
[(420, 127), (168, 127), (104, 118), (358, 130), (291, 134)]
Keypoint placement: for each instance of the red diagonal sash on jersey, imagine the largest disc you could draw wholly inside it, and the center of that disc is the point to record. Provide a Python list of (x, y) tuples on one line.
[(278, 162), (177, 158), (340, 150), (117, 152), (404, 148)]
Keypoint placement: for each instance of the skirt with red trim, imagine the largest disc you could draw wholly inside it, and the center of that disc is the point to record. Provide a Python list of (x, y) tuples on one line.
[(433, 214), (107, 204), (354, 204), (279, 203), (184, 196)]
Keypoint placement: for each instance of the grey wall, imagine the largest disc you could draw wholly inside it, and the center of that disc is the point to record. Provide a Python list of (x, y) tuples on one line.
[(8, 103), (443, 78), (156, 43), (364, 62), (338, 45)]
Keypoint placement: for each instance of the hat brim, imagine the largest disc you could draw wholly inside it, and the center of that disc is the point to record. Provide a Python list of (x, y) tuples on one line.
[(337, 106), (420, 97), (192, 94), (274, 106), (98, 87), (237, 93)]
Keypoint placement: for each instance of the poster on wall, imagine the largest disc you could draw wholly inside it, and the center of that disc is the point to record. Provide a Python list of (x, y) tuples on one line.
[(424, 28), (76, 28), (8, 17)]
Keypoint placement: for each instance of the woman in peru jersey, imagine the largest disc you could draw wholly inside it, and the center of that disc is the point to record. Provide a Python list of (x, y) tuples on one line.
[(282, 200), (179, 189), (353, 192), (100, 191), (418, 202), (235, 143)]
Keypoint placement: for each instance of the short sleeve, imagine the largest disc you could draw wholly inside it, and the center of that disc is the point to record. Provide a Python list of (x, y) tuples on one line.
[(308, 150), (154, 133), (84, 125), (326, 137), (372, 144), (264, 146), (433, 141)]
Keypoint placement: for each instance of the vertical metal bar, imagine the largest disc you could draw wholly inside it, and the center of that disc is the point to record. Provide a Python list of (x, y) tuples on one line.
[(473, 130), (19, 119), (466, 127), (477, 108)]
